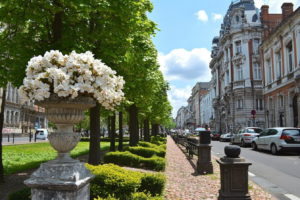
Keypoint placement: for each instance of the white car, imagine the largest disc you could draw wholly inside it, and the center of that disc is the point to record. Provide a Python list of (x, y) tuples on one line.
[(245, 135), (42, 134), (278, 139)]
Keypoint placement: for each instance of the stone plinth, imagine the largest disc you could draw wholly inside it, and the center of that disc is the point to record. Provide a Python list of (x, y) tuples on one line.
[(234, 178), (69, 181), (204, 164), (62, 178)]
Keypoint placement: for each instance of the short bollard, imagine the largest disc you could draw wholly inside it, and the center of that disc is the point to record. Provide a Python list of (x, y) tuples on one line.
[(204, 164), (234, 175)]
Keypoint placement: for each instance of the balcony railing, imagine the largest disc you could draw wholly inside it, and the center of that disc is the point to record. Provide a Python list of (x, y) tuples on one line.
[(239, 84), (28, 107), (257, 83)]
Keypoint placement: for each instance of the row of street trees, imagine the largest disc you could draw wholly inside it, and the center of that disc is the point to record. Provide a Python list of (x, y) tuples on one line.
[(117, 32)]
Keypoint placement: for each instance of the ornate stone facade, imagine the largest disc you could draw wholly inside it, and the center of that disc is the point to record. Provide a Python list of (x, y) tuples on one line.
[(236, 69)]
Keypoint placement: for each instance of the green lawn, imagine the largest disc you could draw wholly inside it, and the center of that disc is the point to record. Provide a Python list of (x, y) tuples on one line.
[(22, 157)]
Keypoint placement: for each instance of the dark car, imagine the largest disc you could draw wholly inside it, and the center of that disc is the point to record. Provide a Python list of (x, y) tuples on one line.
[(215, 135)]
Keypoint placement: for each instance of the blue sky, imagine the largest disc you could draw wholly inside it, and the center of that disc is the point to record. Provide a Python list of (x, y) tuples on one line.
[(185, 40)]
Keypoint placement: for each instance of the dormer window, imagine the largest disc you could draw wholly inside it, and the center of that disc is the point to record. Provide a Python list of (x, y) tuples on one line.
[(237, 18)]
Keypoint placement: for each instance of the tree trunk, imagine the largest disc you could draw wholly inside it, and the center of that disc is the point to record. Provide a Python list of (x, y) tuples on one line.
[(113, 133), (1, 128), (120, 147), (133, 125), (155, 128), (146, 131), (141, 133), (138, 130), (108, 126), (94, 155)]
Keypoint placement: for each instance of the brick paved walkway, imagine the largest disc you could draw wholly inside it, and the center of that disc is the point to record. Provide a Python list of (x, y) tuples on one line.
[(184, 183)]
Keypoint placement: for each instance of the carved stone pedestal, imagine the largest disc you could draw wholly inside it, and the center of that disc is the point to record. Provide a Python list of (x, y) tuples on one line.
[(63, 177), (204, 164), (69, 181), (234, 178)]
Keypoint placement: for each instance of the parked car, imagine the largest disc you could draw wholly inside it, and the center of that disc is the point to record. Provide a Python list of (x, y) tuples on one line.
[(215, 135), (226, 137), (245, 135), (41, 134), (278, 139)]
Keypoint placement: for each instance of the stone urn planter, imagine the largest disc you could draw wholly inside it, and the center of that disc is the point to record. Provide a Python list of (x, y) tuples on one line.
[(63, 177)]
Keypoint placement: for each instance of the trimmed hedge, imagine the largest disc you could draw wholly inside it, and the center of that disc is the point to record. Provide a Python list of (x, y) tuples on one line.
[(113, 182), (158, 140), (23, 194), (146, 152), (147, 144), (128, 159)]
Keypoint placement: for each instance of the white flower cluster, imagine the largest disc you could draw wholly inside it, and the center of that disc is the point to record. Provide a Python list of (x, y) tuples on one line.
[(71, 76)]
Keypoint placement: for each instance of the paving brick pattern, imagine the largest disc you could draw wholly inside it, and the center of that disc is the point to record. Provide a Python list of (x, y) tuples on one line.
[(184, 183)]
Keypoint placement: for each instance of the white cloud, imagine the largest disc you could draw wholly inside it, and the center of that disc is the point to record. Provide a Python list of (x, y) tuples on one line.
[(202, 16), (181, 64), (178, 97), (216, 16), (275, 5)]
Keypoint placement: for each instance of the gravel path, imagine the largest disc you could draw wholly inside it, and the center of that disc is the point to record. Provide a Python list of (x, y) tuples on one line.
[(184, 183)]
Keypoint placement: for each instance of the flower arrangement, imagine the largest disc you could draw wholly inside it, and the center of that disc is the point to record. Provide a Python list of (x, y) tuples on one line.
[(71, 76)]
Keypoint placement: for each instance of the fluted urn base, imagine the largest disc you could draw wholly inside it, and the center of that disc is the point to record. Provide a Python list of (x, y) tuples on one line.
[(63, 177)]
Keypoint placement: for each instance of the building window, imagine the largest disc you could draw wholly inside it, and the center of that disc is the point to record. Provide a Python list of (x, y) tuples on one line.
[(290, 57), (239, 104), (259, 104), (281, 101), (257, 71), (278, 65), (237, 18), (239, 70), (269, 67), (255, 45), (238, 47)]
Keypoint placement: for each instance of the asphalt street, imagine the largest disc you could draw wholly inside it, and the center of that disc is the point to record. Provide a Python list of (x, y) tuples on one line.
[(280, 174)]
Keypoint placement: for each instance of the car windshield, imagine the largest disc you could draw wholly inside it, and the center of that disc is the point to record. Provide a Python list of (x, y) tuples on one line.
[(254, 130), (291, 132), (40, 132)]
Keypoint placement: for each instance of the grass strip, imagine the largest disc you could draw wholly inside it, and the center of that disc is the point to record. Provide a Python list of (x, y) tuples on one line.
[(28, 156)]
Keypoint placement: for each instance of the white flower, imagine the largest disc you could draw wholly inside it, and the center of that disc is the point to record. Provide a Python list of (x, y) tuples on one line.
[(71, 76)]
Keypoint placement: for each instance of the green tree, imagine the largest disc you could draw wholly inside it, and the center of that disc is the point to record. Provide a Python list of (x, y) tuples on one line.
[(105, 27)]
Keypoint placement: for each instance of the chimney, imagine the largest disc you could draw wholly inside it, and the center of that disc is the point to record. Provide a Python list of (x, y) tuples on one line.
[(287, 10), (264, 15)]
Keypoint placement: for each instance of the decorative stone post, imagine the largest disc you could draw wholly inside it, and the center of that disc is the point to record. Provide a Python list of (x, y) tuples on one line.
[(204, 164), (234, 175), (63, 177)]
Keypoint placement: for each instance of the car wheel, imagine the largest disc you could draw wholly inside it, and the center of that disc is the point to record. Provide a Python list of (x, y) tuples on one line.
[(254, 146), (243, 143), (274, 149)]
